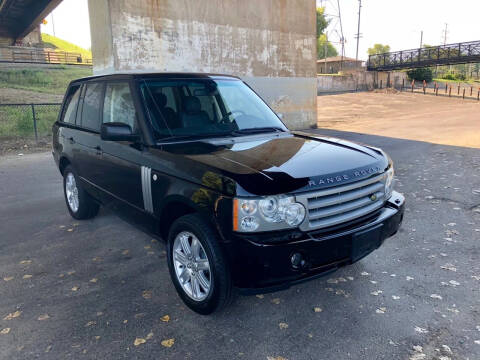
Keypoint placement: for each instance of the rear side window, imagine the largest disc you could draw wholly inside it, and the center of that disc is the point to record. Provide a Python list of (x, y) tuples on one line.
[(71, 104), (119, 106), (91, 106)]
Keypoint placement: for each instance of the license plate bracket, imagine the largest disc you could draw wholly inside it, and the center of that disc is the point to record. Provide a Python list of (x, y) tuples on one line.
[(363, 243)]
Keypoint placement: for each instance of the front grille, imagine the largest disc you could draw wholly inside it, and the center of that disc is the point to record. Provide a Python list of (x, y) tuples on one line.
[(342, 204)]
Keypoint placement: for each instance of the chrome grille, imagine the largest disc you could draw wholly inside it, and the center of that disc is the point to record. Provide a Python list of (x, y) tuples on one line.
[(341, 204)]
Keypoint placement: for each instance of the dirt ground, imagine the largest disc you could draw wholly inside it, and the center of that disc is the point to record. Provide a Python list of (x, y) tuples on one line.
[(404, 116), (17, 96), (22, 146)]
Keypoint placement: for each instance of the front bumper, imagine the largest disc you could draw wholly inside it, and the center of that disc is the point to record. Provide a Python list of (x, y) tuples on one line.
[(258, 266)]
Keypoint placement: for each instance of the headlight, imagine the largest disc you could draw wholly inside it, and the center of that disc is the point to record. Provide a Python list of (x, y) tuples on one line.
[(267, 213), (389, 182)]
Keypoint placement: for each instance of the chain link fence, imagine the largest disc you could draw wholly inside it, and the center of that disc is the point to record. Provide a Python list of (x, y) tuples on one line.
[(30, 121)]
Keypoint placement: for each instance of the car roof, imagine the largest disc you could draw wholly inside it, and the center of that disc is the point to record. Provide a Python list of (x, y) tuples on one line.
[(158, 75)]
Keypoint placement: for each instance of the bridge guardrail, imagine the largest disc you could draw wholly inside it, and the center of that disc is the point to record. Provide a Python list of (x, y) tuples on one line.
[(450, 54), (17, 54)]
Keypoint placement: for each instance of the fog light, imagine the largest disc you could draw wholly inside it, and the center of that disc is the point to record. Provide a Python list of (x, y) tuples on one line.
[(249, 223), (297, 260)]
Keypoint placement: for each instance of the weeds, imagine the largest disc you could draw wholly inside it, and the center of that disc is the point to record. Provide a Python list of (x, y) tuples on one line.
[(51, 81)]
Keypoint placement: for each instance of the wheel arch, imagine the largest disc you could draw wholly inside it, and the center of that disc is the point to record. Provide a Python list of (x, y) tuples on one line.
[(63, 163), (175, 207)]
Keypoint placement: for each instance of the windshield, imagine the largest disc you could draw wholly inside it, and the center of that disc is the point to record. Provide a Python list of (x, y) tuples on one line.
[(204, 108)]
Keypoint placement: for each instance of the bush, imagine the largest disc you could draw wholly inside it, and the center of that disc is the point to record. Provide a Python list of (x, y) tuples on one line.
[(420, 74), (451, 76), (448, 76)]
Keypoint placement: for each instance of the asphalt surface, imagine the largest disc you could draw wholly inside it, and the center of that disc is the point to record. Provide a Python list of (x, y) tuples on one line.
[(93, 289)]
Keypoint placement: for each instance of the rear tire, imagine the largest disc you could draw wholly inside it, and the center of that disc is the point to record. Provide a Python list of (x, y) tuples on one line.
[(80, 205), (193, 247)]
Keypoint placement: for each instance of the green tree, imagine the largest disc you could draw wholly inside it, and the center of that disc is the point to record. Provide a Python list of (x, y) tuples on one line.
[(378, 49), (331, 50), (322, 24)]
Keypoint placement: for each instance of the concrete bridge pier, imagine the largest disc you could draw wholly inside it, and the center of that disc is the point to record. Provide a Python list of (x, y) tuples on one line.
[(271, 44)]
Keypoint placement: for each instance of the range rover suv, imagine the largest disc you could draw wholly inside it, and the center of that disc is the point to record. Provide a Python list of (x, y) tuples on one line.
[(241, 201)]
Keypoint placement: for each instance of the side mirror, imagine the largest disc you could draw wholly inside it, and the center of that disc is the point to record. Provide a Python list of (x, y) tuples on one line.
[(117, 132)]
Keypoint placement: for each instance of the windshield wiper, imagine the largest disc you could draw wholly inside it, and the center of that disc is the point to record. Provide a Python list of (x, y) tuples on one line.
[(233, 133), (195, 136), (257, 130)]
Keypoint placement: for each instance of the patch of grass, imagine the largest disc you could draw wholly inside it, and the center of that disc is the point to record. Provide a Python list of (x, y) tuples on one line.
[(51, 81), (18, 120), (15, 121), (62, 45), (471, 81)]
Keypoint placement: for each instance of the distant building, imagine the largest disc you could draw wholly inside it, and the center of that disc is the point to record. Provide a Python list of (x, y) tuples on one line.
[(336, 64)]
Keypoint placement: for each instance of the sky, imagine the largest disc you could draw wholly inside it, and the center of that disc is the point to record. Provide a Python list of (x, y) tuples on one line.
[(393, 22), (71, 22)]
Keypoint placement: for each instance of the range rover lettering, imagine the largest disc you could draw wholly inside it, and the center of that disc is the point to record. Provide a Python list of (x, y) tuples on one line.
[(203, 162)]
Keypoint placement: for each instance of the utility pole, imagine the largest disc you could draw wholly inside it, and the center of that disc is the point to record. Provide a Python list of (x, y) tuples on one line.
[(325, 47), (421, 39), (53, 25), (358, 32), (341, 31), (445, 34)]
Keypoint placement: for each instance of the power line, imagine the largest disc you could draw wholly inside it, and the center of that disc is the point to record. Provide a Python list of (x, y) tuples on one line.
[(335, 27)]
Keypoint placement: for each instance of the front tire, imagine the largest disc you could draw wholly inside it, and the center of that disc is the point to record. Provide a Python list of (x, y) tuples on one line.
[(197, 265), (79, 204)]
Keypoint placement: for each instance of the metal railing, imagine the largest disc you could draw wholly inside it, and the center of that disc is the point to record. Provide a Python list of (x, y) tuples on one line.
[(27, 120), (454, 90), (459, 53), (16, 54)]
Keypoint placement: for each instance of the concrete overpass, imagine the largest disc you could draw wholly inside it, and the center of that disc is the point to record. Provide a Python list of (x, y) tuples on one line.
[(271, 44), (18, 18)]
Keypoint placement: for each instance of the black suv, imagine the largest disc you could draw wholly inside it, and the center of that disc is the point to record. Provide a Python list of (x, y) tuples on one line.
[(203, 162)]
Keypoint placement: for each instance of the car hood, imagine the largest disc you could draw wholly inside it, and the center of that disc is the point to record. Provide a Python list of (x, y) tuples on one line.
[(270, 164)]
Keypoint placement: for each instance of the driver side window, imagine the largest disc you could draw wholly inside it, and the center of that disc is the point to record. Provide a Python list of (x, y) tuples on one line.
[(119, 106)]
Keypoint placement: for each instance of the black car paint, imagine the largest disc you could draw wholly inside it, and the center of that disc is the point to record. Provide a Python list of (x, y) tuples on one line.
[(204, 175)]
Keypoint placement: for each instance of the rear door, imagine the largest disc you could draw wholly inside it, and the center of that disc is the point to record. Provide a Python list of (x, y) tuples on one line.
[(88, 156)]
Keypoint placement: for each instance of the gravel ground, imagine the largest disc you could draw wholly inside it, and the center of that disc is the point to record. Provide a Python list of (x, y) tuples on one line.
[(100, 289)]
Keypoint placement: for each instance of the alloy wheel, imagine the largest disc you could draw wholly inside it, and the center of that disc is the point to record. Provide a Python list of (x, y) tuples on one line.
[(192, 267), (72, 192)]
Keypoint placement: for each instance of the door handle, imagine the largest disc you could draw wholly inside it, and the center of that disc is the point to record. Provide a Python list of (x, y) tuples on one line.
[(71, 140), (98, 150)]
